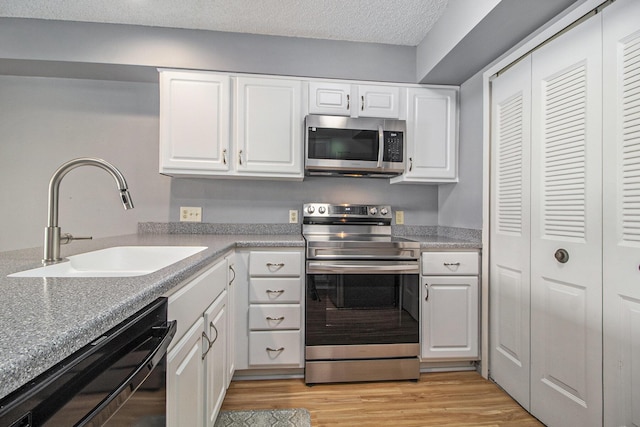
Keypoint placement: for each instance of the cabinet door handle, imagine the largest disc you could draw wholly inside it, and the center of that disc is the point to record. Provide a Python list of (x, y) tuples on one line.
[(207, 345), (451, 264), (275, 265), (275, 319), (234, 275), (211, 325), (275, 349), (240, 157), (209, 342), (362, 103), (426, 286), (224, 156), (348, 102), (279, 291), (410, 164)]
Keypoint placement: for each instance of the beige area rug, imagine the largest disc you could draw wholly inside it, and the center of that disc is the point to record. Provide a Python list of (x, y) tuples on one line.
[(299, 417)]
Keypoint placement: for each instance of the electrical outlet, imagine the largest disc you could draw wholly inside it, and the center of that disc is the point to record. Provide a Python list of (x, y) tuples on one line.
[(293, 217), (190, 214), (399, 217)]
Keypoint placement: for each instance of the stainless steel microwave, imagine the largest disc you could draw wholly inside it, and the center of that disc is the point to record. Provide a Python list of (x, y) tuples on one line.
[(354, 146)]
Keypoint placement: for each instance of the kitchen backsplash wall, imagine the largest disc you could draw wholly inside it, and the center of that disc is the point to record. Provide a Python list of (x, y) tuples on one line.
[(47, 121), (270, 201)]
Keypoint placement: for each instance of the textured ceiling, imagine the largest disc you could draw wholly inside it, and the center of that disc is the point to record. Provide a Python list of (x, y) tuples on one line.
[(399, 22)]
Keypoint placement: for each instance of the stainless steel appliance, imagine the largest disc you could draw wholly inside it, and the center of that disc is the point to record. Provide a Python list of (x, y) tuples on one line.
[(362, 296), (354, 146), (117, 380)]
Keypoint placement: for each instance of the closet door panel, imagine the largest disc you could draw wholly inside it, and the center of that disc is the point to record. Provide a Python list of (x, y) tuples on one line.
[(510, 231), (566, 229), (621, 195)]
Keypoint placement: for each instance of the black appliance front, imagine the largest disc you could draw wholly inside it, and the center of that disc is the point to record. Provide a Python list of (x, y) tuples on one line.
[(117, 380), (348, 309), (361, 327)]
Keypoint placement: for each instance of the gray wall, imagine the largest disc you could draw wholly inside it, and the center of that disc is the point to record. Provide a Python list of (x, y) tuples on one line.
[(110, 51), (460, 205), (47, 121)]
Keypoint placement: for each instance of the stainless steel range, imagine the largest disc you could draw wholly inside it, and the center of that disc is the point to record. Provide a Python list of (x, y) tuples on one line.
[(362, 296)]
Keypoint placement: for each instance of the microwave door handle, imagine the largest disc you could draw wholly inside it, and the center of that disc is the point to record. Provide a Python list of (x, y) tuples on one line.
[(380, 146)]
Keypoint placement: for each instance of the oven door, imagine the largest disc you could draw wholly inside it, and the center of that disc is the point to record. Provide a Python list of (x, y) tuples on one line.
[(361, 303)]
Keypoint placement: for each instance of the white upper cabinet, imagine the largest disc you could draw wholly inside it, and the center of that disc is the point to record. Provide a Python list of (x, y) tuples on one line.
[(268, 127), (195, 126), (431, 137), (194, 122), (345, 99)]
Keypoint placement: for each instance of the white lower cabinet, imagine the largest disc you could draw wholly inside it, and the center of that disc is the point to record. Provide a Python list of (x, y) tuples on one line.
[(231, 313), (185, 380), (269, 320), (197, 358), (215, 358), (450, 304)]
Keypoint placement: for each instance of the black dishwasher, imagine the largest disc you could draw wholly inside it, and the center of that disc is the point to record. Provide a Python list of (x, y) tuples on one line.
[(119, 379)]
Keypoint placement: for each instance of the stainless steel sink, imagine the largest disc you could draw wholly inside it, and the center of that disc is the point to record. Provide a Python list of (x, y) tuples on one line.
[(118, 261)]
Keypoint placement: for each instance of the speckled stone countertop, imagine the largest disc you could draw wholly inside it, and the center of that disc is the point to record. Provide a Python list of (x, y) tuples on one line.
[(44, 320)]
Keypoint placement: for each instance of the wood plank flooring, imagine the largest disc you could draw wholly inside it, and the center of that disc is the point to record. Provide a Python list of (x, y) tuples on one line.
[(438, 399)]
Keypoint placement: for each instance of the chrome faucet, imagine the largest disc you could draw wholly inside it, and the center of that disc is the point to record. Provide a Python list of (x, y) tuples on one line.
[(52, 235)]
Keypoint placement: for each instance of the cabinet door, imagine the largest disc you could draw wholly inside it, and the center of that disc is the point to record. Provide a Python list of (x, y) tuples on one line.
[(510, 264), (330, 98), (194, 122), (269, 126), (185, 380), (621, 232), (432, 136), (378, 101), (450, 317), (231, 315), (215, 321), (566, 200)]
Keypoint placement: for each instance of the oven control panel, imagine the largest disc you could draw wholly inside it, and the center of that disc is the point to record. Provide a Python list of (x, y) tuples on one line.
[(346, 211)]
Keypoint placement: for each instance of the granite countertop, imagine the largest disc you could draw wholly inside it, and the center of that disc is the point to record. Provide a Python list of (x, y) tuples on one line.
[(44, 320)]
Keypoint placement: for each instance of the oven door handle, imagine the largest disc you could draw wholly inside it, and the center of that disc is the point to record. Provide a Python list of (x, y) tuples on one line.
[(380, 146), (126, 388), (358, 268)]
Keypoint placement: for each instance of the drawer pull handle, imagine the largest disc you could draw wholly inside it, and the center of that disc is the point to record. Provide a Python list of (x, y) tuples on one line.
[(279, 291), (275, 319), (452, 264), (275, 349), (275, 264)]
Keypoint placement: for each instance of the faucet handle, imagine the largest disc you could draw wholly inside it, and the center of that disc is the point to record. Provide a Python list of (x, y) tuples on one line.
[(68, 238)]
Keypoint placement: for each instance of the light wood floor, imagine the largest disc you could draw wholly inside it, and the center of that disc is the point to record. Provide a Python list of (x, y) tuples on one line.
[(438, 399)]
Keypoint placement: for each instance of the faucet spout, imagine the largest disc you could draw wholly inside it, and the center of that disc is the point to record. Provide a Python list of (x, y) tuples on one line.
[(52, 231)]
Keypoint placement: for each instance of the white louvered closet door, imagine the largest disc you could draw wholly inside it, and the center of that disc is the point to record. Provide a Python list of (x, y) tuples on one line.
[(566, 214), (510, 231), (621, 195)]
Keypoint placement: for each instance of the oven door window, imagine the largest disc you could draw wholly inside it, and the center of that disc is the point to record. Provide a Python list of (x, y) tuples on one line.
[(343, 144), (343, 309)]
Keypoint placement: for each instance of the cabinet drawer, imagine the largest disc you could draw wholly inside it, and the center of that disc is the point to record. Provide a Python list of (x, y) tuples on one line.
[(445, 263), (271, 263), (189, 303), (275, 348), (274, 316), (267, 290)]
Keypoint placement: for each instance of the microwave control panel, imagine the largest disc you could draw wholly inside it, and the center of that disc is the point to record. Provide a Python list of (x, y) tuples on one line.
[(393, 147)]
